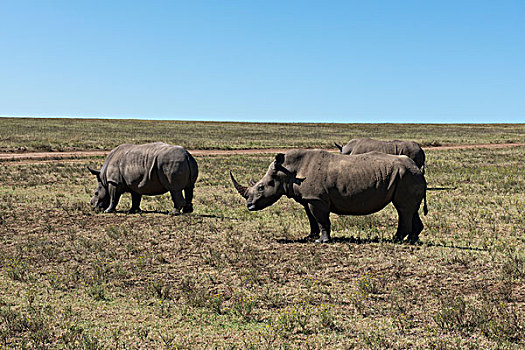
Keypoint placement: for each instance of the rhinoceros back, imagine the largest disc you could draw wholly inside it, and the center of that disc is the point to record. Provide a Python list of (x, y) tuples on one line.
[(397, 147)]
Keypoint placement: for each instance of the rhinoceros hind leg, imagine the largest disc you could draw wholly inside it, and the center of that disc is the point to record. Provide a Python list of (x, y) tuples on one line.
[(404, 226), (188, 208), (188, 195), (135, 203), (417, 227), (178, 201)]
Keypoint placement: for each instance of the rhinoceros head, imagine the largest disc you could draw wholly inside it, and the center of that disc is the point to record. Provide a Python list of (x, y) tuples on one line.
[(100, 200), (267, 190)]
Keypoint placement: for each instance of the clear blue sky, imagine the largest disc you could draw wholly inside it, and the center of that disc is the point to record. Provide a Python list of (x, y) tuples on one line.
[(323, 61)]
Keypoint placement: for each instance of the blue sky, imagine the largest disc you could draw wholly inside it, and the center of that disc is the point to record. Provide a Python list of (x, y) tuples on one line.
[(297, 61)]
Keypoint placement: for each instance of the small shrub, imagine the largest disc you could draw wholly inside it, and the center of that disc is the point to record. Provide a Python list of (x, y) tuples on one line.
[(492, 318), (98, 291), (18, 269), (367, 284), (268, 336), (193, 293), (161, 289), (293, 320), (327, 318), (452, 315), (117, 232), (216, 303), (513, 266), (400, 313), (243, 306), (56, 281)]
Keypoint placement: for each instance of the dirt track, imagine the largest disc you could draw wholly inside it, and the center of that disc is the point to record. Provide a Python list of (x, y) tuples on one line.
[(45, 157)]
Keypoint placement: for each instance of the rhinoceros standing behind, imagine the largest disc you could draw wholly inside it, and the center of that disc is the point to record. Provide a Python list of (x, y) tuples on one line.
[(327, 183), (410, 149), (150, 169)]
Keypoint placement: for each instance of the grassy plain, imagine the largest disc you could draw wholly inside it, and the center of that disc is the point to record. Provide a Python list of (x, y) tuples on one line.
[(90, 134), (224, 277)]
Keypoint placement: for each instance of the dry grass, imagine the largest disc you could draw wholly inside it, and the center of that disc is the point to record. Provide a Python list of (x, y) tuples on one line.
[(224, 277), (85, 134)]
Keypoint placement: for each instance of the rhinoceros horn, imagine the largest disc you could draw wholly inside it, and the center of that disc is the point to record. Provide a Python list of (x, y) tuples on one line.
[(93, 171), (240, 188)]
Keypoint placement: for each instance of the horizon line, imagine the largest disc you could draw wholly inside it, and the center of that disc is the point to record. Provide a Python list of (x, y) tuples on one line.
[(239, 120)]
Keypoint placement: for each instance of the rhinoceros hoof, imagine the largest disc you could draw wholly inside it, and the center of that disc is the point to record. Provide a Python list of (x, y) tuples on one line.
[(175, 212), (109, 210), (312, 237), (187, 209), (413, 240), (322, 240), (134, 211)]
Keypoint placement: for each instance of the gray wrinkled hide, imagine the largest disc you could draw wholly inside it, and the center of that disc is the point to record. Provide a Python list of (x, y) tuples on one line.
[(327, 183), (149, 169), (407, 148)]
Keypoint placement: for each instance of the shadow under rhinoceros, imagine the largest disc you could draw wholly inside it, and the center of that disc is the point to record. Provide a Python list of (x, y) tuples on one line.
[(164, 212), (441, 188), (351, 239), (430, 244), (168, 213), (358, 240)]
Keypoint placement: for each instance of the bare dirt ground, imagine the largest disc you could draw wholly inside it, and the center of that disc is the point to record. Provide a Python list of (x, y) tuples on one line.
[(45, 157)]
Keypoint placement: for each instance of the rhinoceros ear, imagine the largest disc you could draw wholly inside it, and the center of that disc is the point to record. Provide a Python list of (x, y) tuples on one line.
[(279, 159), (94, 172), (338, 146)]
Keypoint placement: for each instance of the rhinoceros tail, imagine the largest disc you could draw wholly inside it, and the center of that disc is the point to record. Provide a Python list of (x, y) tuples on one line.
[(425, 208)]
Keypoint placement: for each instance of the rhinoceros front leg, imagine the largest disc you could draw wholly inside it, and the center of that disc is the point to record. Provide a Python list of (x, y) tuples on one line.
[(135, 202), (114, 197), (321, 213), (178, 201), (314, 226)]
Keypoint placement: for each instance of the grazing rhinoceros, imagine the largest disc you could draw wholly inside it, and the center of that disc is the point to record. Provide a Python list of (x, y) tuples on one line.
[(150, 169), (407, 148), (327, 183)]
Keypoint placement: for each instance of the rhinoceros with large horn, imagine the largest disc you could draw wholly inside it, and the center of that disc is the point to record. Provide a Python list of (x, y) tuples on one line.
[(327, 183), (410, 149), (149, 169)]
